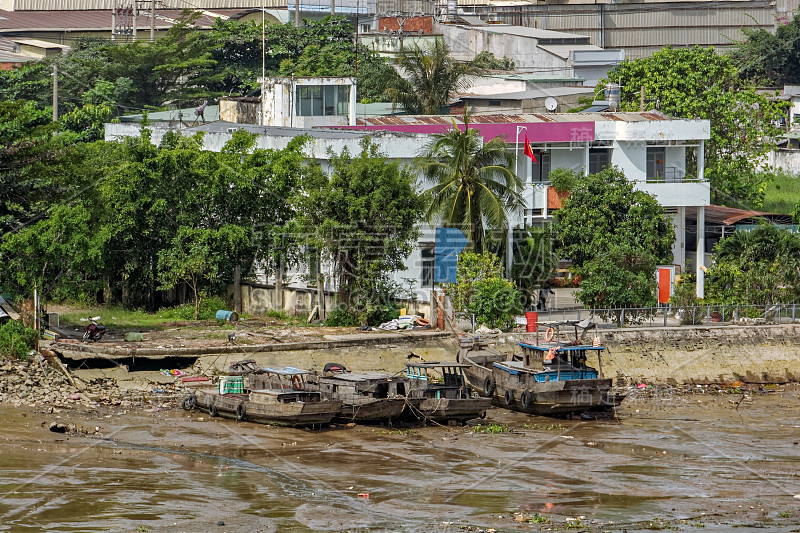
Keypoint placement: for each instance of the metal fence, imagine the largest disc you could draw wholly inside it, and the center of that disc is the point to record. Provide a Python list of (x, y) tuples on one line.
[(664, 316)]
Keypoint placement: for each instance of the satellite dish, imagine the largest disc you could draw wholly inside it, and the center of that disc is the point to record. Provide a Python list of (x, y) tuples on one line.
[(551, 103)]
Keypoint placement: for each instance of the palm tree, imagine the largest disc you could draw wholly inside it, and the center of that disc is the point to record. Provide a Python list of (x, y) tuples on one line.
[(430, 76), (474, 187)]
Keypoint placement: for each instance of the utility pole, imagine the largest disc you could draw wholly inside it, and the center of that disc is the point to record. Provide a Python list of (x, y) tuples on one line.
[(296, 13), (152, 20), (333, 7), (55, 93)]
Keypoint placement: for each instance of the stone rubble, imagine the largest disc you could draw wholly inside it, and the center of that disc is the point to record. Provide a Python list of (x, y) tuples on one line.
[(36, 383)]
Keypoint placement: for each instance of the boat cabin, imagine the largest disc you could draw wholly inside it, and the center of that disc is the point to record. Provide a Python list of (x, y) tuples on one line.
[(437, 380), (352, 384), (287, 380), (553, 362)]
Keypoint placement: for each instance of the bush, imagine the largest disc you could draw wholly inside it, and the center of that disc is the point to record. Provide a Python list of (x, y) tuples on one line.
[(564, 179), (208, 309), (496, 302), (341, 318), (16, 340)]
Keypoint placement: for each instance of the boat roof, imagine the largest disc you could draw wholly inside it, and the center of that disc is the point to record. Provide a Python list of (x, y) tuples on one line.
[(359, 376), (438, 365), (285, 371), (561, 348)]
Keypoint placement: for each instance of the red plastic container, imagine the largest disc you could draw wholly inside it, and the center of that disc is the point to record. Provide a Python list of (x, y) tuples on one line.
[(531, 321)]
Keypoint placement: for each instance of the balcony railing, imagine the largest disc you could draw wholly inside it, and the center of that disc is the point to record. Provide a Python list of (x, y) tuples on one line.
[(672, 175)]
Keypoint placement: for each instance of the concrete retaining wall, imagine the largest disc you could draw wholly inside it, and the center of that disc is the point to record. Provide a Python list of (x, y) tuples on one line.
[(384, 355)]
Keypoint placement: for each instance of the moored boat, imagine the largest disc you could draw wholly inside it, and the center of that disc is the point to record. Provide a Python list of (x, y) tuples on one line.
[(268, 396), (548, 379), (440, 392), (367, 397)]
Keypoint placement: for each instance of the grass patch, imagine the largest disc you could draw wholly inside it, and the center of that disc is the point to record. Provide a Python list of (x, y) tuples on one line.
[(405, 432), (782, 194), (491, 428), (537, 519), (550, 427)]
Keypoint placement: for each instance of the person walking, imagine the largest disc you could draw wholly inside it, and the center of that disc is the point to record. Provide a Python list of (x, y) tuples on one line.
[(541, 305)]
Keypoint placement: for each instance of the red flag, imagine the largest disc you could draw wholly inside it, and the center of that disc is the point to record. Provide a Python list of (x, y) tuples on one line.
[(528, 150)]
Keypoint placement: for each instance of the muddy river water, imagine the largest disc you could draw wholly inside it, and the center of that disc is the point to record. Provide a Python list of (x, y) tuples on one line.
[(689, 462)]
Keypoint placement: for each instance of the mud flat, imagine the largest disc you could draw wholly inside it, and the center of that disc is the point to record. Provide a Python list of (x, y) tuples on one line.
[(681, 459)]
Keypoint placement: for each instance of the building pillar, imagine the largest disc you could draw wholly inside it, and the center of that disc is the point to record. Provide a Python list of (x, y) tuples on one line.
[(352, 113), (679, 247), (701, 250), (586, 159)]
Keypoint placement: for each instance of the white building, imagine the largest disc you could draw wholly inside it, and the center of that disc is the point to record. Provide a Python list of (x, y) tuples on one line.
[(650, 148)]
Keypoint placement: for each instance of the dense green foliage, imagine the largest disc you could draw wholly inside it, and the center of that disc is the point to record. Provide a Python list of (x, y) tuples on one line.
[(487, 61), (481, 289), (698, 83), (605, 210), (135, 220), (534, 260), (473, 185), (618, 276), (771, 59), (364, 217), (16, 340), (98, 79), (614, 235), (430, 77), (758, 267)]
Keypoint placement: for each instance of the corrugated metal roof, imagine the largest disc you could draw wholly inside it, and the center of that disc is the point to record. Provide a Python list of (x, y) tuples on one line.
[(727, 216), (497, 118), (533, 93), (11, 57), (563, 50)]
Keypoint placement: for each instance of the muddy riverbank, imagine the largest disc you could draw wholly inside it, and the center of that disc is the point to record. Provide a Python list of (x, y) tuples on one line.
[(692, 459)]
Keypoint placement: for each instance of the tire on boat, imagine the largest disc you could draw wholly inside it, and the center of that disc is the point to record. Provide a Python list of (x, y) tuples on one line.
[(508, 397), (489, 386), (212, 410), (240, 411), (525, 399)]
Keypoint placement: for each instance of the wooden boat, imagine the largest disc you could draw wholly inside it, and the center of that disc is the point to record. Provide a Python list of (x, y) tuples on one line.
[(439, 392), (367, 397), (269, 396), (548, 379)]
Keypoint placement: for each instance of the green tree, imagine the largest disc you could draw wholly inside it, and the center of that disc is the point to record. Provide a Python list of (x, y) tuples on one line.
[(177, 203), (487, 61), (698, 83), (618, 276), (474, 185), (429, 78), (27, 148), (364, 218), (614, 235), (534, 259), (758, 267), (605, 209), (481, 289), (770, 59)]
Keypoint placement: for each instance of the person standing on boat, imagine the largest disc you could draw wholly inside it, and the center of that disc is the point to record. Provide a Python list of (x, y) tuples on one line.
[(541, 305)]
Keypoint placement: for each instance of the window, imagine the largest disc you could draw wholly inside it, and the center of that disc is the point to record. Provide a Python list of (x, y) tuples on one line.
[(322, 100), (426, 278), (655, 163), (494, 103), (598, 159), (541, 171)]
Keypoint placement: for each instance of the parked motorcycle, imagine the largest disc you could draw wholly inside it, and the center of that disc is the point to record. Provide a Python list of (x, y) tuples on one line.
[(94, 331)]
